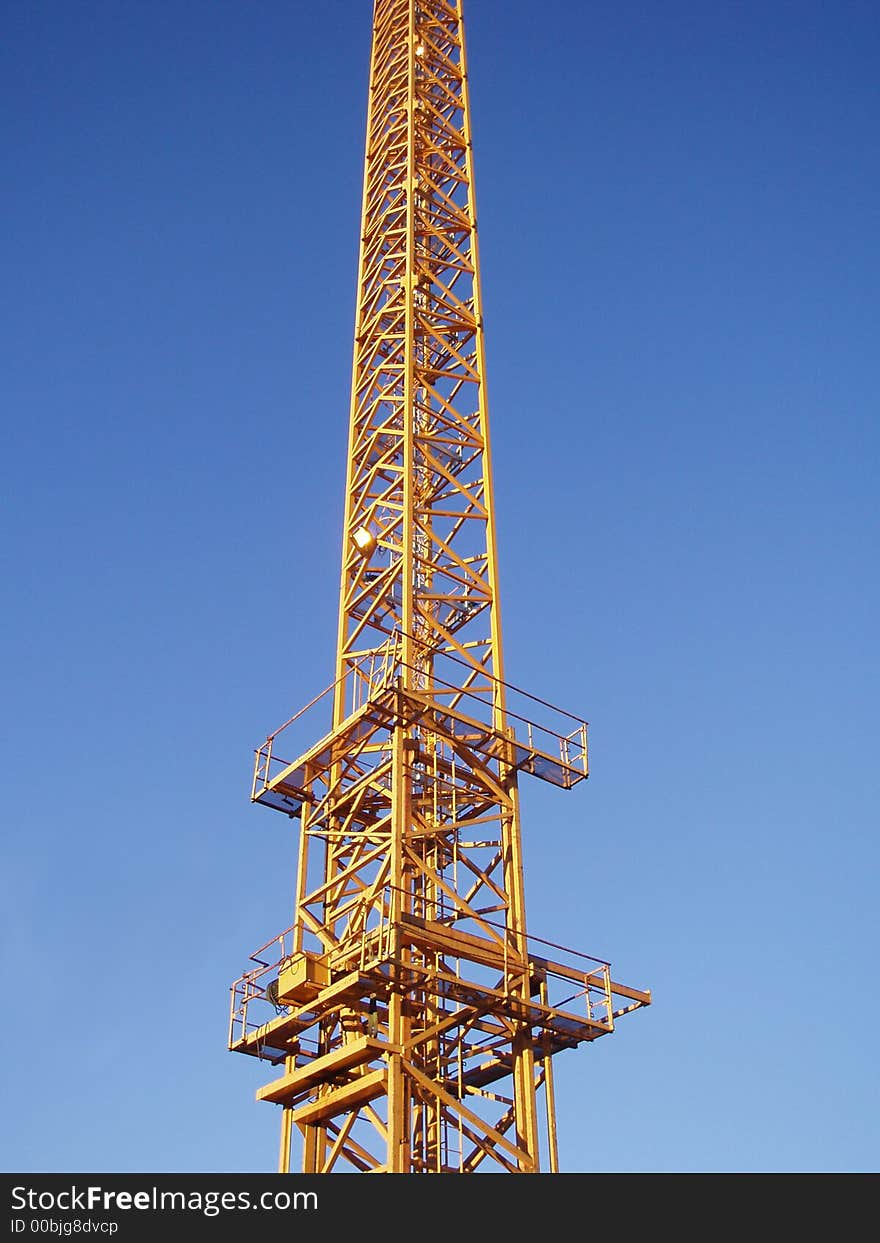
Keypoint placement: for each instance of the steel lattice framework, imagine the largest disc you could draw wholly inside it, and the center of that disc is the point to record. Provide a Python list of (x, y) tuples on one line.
[(412, 1017)]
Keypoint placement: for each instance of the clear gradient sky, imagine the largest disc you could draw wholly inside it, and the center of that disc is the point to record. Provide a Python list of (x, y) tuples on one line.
[(679, 210)]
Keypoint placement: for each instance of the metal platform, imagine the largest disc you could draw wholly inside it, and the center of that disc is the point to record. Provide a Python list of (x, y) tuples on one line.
[(561, 759), (562, 1004)]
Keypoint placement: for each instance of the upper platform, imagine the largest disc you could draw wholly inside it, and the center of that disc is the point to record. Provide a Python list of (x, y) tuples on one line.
[(549, 743)]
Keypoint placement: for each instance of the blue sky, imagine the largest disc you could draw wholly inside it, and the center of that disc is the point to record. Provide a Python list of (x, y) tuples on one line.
[(679, 210)]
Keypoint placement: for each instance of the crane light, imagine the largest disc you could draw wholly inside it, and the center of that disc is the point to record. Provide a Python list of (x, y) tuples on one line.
[(364, 541)]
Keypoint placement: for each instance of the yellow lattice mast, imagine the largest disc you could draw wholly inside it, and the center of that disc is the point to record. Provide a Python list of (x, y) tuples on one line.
[(412, 1018)]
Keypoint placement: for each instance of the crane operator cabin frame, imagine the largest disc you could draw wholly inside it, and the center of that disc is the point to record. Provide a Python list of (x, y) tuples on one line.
[(410, 1019)]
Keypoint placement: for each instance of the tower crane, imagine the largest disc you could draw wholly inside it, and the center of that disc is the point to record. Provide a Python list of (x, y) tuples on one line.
[(410, 1017)]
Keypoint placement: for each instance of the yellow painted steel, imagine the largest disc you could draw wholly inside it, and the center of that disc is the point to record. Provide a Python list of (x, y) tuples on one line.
[(412, 1015)]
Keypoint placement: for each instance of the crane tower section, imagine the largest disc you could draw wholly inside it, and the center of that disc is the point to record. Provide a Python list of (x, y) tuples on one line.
[(411, 1018)]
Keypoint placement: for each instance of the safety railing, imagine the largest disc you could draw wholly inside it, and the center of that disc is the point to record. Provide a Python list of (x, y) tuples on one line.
[(251, 987), (533, 735), (373, 672), (565, 991), (555, 749)]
